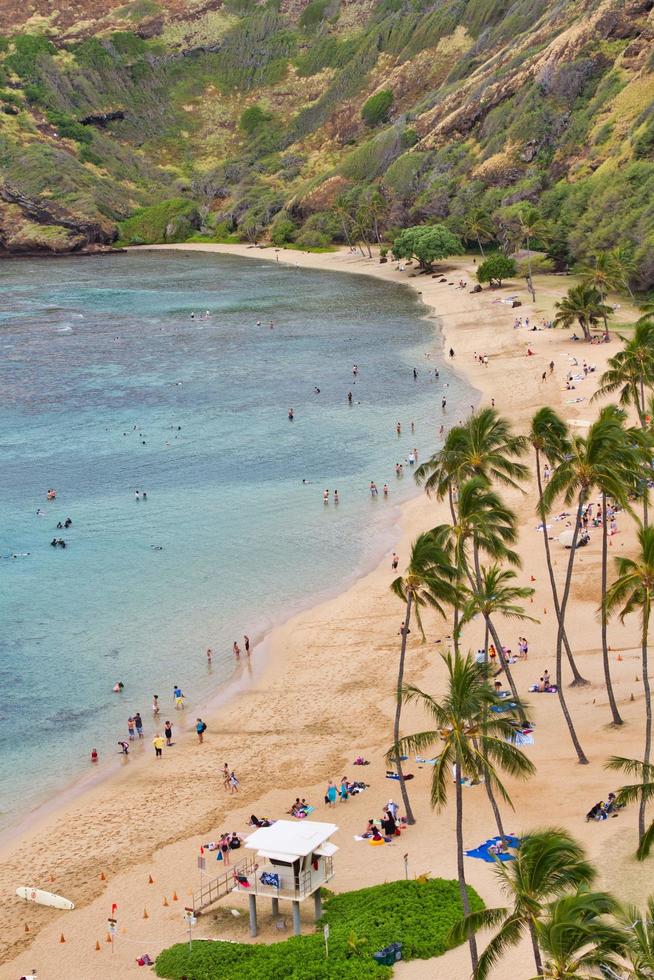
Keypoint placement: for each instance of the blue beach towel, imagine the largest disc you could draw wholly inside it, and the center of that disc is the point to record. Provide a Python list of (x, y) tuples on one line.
[(483, 853), (267, 878), (499, 708), (426, 762)]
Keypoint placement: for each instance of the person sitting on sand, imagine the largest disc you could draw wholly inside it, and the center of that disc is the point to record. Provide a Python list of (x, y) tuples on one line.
[(597, 812), (369, 828)]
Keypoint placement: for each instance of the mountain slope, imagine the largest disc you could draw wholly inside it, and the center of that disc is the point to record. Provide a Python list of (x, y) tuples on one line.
[(177, 118)]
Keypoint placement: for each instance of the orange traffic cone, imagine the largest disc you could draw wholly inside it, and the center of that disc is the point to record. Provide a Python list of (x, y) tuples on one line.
[(51, 877), (175, 897), (103, 877), (107, 938), (27, 928), (165, 901), (62, 938), (619, 658), (97, 946), (145, 914), (150, 880)]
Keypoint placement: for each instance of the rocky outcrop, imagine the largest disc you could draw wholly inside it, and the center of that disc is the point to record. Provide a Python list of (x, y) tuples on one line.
[(28, 225), (102, 118)]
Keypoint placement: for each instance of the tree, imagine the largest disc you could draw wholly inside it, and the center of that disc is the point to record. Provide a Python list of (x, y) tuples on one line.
[(550, 438), (633, 590), (253, 118), (427, 581), (631, 370), (640, 952), (495, 269), (579, 940), (473, 740), (376, 109), (598, 459), (547, 865), (641, 792), (602, 274), (582, 305), (531, 225), (426, 243), (478, 226)]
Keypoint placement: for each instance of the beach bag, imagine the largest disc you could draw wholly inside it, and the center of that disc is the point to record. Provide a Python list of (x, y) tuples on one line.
[(219, 856), (203, 728)]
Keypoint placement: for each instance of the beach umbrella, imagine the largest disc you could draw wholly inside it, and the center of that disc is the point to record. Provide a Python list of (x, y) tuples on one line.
[(566, 538)]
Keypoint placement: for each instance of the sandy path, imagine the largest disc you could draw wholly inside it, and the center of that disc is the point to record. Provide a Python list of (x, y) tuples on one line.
[(324, 697)]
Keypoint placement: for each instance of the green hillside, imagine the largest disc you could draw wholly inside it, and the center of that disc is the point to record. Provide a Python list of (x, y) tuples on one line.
[(330, 121)]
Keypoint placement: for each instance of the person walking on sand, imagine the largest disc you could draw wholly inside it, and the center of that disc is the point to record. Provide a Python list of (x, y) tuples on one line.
[(158, 743), (200, 728), (168, 732), (236, 650), (394, 561), (451, 352), (331, 794), (226, 776), (233, 783)]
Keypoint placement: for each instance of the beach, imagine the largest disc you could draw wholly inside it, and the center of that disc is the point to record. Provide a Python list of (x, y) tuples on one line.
[(324, 695)]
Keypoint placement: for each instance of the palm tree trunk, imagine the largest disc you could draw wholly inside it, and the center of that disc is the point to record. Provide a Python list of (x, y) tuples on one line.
[(559, 640), (648, 712), (465, 901), (643, 425), (617, 720), (530, 281), (536, 949), (495, 808), (481, 249), (410, 819), (486, 632), (578, 680)]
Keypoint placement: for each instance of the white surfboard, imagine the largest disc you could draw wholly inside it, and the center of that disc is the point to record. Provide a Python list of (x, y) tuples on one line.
[(44, 898)]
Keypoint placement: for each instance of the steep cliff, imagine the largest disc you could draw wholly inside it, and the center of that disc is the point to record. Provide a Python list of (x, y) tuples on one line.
[(323, 120)]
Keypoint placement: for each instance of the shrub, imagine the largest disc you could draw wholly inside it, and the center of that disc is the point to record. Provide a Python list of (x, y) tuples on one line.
[(69, 128), (495, 269), (28, 48), (170, 220), (282, 230), (315, 12), (253, 118), (377, 108), (417, 913), (427, 243)]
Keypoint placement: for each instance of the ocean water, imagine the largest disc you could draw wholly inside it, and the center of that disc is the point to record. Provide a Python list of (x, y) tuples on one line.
[(107, 385)]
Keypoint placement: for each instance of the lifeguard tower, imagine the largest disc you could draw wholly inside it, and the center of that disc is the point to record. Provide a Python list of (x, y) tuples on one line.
[(293, 861)]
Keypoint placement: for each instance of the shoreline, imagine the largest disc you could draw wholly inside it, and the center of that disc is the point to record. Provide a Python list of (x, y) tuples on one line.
[(322, 712), (245, 673)]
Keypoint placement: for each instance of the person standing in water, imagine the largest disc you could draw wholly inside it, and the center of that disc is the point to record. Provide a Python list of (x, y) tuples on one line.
[(336, 497), (209, 655), (246, 641), (325, 496), (398, 428), (349, 397), (291, 415), (236, 650)]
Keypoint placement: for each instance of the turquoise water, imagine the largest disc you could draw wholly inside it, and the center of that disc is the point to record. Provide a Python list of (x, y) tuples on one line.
[(109, 386)]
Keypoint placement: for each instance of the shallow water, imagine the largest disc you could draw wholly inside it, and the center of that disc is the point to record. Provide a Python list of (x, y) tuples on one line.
[(107, 386)]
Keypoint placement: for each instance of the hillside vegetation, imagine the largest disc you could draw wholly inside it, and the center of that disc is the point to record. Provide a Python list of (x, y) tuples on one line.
[(321, 121)]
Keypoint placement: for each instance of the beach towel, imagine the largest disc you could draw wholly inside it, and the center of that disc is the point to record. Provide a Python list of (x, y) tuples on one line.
[(484, 854), (499, 708), (394, 775), (426, 762), (268, 878), (242, 880), (304, 813), (523, 738)]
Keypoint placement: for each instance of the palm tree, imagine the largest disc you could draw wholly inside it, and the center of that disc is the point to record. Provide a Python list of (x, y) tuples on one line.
[(582, 305), (595, 460), (427, 581), (493, 595), (531, 225), (473, 739), (485, 446), (548, 864), (602, 274), (478, 226), (549, 435), (625, 265), (631, 370), (578, 939), (633, 590), (640, 952), (642, 791)]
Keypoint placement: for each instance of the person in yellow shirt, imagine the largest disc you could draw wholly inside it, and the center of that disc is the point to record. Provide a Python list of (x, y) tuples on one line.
[(158, 741)]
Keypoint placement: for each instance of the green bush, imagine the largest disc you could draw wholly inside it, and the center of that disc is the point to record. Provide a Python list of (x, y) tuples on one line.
[(419, 914), (377, 108), (326, 52), (495, 269), (282, 230), (28, 48), (69, 128), (427, 243), (315, 12), (253, 118), (171, 220)]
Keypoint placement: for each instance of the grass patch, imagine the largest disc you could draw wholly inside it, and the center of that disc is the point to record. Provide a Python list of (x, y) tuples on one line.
[(419, 914)]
